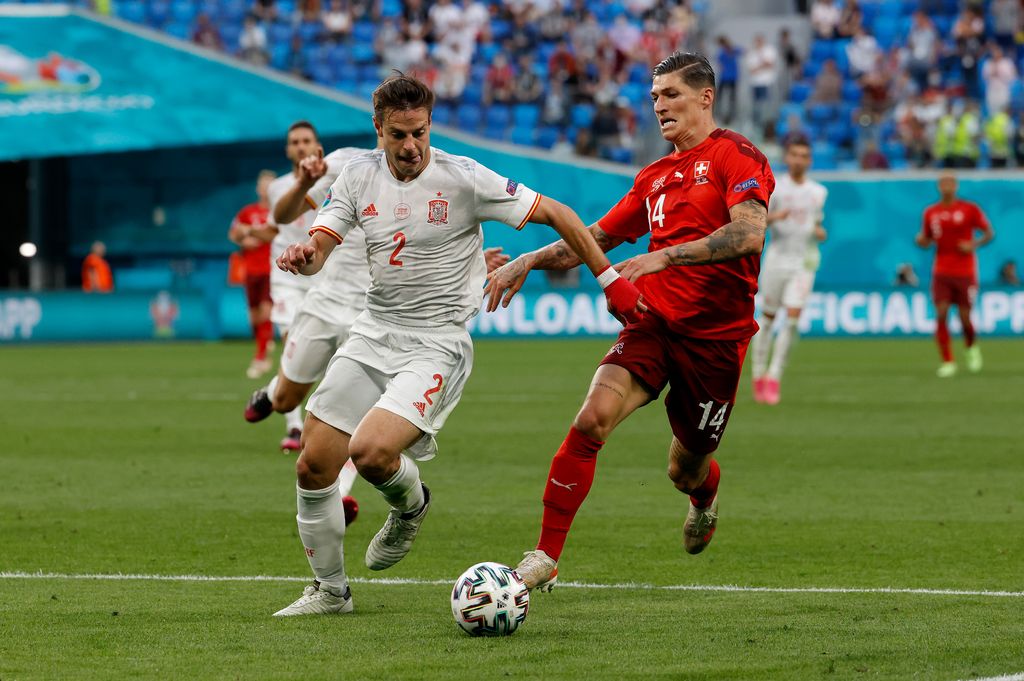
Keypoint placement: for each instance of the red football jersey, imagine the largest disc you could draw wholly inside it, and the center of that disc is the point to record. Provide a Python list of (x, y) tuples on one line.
[(684, 197), (947, 226), (257, 260)]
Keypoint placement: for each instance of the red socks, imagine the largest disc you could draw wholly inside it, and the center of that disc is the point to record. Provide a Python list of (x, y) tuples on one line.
[(569, 481), (263, 332), (968, 331), (942, 338), (703, 495)]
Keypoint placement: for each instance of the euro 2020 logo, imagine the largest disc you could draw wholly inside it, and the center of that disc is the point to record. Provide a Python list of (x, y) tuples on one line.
[(54, 73)]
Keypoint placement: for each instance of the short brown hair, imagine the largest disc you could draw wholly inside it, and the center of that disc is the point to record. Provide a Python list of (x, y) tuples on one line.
[(402, 93), (693, 68), (304, 124)]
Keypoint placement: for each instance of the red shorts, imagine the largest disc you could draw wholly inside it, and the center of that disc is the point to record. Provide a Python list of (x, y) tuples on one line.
[(257, 290), (702, 376), (955, 290)]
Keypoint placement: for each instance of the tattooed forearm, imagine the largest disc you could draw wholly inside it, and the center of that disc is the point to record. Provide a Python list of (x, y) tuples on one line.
[(558, 256), (742, 237)]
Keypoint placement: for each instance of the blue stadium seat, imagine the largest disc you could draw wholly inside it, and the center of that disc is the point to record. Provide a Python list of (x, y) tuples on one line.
[(182, 12), (526, 115), (821, 50), (364, 32), (894, 149), (179, 30), (547, 136), (485, 53), (310, 31), (500, 30), (839, 133), (391, 8), (363, 53), (821, 113), (499, 115), (469, 116), (279, 33), (230, 34), (789, 109), (212, 9), (159, 12), (526, 136), (442, 114), (799, 92), (582, 115), (886, 30), (365, 90), (322, 73), (474, 92), (233, 11), (279, 55), (851, 92), (636, 93), (620, 155), (640, 74), (285, 8), (346, 71), (812, 68), (369, 73), (131, 10), (824, 155)]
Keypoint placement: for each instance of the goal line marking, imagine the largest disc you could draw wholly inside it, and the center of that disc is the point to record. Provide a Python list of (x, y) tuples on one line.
[(570, 585)]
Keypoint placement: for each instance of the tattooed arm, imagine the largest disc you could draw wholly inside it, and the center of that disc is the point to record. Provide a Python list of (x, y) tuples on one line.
[(741, 237)]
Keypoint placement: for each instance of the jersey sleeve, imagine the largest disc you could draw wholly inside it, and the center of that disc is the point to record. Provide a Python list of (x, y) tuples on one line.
[(925, 230), (627, 219), (820, 218), (744, 175), (981, 220), (499, 198), (338, 214)]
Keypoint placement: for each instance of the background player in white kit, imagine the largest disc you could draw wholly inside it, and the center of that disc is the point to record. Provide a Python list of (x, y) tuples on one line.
[(795, 214), (286, 291), (393, 384)]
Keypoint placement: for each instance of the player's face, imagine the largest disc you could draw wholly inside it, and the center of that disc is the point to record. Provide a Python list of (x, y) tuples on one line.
[(947, 186), (678, 107), (261, 186), (301, 143), (798, 159), (405, 137)]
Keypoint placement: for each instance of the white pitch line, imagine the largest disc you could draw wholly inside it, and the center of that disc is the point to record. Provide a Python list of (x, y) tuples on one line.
[(570, 585), (1007, 677)]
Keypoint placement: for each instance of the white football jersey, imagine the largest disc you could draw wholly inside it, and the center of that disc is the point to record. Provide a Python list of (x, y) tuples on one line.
[(792, 244), (345, 276), (291, 233), (424, 242)]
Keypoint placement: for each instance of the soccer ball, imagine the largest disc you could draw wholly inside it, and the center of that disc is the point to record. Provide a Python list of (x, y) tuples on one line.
[(490, 599)]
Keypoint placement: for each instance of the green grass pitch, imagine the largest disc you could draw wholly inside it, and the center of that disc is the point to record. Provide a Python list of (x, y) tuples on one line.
[(872, 473)]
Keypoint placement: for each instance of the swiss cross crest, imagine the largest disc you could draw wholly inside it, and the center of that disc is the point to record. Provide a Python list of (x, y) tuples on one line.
[(437, 212), (700, 172)]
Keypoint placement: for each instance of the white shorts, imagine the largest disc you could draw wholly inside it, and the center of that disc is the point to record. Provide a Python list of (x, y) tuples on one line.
[(785, 288), (312, 342), (287, 300), (416, 373)]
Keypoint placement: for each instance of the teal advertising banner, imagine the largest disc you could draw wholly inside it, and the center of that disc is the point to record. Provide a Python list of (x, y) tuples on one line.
[(74, 84)]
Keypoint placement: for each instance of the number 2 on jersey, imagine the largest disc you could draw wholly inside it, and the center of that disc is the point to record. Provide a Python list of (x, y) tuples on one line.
[(400, 238), (658, 214)]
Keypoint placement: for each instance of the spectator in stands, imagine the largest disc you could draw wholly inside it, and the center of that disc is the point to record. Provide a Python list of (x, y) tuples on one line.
[(476, 18), (969, 33), (1008, 274), (791, 62), (862, 52), (401, 50), (828, 86), (96, 276), (922, 49), (556, 105), (585, 37), (584, 144), (554, 25), (265, 10), (873, 159), (206, 34), (527, 89), (945, 130), (914, 136), (795, 129), (966, 148), (851, 20), (252, 43), (525, 36), (1018, 141), (762, 62), (499, 81), (605, 129), (607, 89), (445, 20), (310, 11), (297, 64), (728, 77), (1006, 21), (624, 35), (999, 135), (563, 147), (337, 21), (999, 74), (825, 18), (906, 276), (417, 18)]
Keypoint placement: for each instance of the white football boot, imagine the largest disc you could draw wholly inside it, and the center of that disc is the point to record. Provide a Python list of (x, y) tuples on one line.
[(538, 570), (974, 361), (946, 370), (393, 541), (319, 600), (700, 526)]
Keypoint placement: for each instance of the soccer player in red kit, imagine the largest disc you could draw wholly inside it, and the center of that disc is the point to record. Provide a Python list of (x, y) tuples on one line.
[(256, 256), (950, 224), (705, 207)]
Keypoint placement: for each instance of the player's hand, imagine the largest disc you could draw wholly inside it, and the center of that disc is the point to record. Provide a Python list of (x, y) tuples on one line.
[(494, 258), (965, 246), (648, 263), (312, 168), (295, 257), (624, 301), (504, 282)]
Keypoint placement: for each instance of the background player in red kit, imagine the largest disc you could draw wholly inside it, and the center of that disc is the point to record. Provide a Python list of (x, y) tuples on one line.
[(705, 207), (950, 225), (256, 254)]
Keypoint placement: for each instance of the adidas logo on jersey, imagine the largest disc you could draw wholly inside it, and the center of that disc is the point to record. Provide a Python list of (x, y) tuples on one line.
[(420, 407), (370, 211)]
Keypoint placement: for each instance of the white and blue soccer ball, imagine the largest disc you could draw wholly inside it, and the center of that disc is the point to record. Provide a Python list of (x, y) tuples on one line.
[(490, 599)]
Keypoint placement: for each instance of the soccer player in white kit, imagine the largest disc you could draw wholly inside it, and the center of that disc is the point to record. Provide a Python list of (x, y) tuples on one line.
[(288, 292), (795, 214), (391, 387)]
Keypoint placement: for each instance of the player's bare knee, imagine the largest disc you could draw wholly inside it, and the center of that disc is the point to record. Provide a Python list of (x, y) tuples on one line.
[(594, 423), (374, 462)]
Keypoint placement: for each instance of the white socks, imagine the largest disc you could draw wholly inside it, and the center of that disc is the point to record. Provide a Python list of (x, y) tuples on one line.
[(321, 521), (787, 335), (762, 345), (404, 491), (293, 419), (347, 478)]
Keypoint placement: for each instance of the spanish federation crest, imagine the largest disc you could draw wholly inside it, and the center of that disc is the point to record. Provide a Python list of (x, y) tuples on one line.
[(700, 172), (437, 212)]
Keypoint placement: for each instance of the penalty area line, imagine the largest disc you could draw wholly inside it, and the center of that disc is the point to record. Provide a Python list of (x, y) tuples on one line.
[(1006, 677), (634, 586)]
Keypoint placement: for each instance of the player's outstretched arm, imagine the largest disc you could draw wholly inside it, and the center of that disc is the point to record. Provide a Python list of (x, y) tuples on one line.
[(307, 258), (293, 202), (922, 240), (741, 237)]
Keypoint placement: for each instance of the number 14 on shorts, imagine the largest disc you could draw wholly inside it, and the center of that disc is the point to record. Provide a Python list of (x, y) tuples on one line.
[(716, 421)]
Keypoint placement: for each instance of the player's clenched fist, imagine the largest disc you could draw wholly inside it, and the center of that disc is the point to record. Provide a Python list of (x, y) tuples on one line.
[(623, 296), (295, 257)]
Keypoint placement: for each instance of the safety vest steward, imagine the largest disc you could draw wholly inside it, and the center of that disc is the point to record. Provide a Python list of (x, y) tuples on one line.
[(964, 143), (997, 132), (944, 128)]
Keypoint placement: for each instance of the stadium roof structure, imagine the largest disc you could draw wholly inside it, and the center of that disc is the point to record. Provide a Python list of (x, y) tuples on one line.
[(73, 83)]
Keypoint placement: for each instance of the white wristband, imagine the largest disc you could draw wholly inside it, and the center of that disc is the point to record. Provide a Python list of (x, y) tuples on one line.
[(607, 277)]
